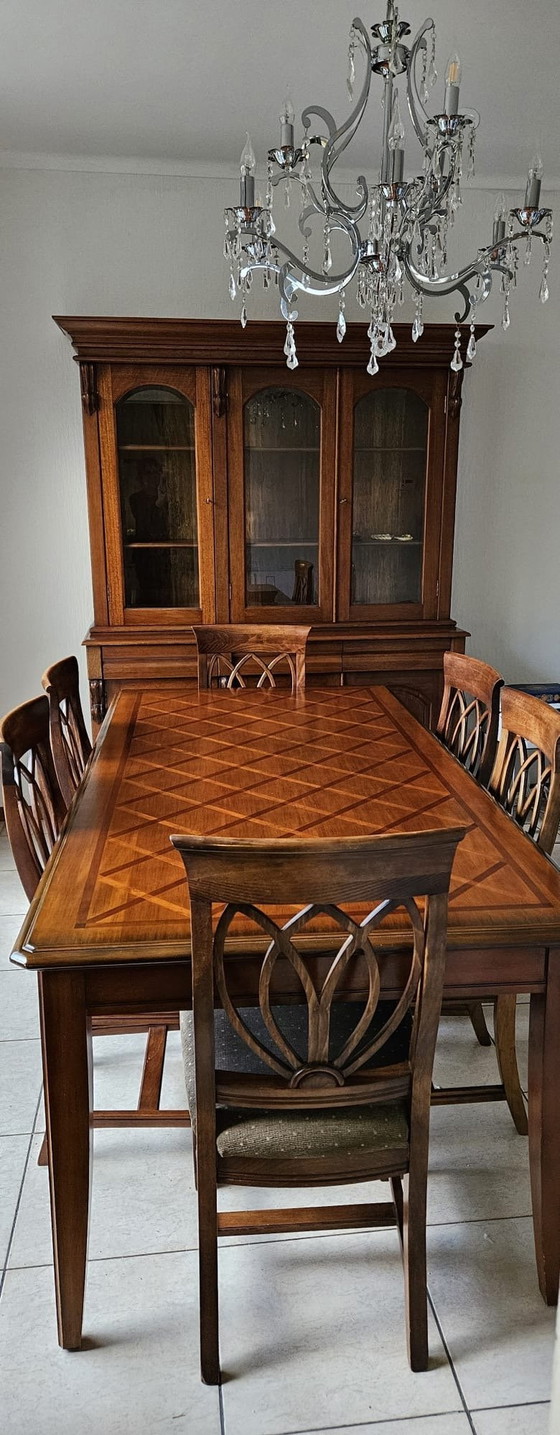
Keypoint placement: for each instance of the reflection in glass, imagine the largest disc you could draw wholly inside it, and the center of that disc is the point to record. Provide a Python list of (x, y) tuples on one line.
[(282, 465), (390, 445), (157, 477)]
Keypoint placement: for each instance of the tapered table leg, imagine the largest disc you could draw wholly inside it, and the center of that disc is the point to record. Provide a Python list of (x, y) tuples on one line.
[(67, 1071), (544, 1129)]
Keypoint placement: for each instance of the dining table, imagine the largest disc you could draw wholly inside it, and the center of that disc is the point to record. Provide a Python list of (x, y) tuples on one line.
[(108, 929)]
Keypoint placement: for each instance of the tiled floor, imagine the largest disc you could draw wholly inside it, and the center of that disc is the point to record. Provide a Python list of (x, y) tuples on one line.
[(312, 1327)]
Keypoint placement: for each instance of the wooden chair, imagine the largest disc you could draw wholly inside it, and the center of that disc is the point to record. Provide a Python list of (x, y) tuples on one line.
[(224, 651), (468, 726), (470, 713), (314, 1094), (526, 782), (34, 809), (70, 744)]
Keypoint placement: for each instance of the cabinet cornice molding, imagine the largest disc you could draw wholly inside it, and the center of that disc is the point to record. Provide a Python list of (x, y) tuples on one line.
[(222, 341)]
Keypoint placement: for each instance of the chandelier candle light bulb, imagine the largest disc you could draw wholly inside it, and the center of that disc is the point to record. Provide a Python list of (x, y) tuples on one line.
[(452, 82), (534, 177), (392, 235), (247, 166)]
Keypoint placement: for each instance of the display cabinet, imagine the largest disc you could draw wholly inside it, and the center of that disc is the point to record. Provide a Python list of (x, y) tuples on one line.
[(224, 487)]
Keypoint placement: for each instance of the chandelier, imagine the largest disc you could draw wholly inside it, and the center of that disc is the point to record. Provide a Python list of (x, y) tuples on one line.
[(394, 239)]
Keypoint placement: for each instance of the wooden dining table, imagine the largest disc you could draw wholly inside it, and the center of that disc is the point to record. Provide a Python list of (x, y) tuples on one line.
[(108, 929)]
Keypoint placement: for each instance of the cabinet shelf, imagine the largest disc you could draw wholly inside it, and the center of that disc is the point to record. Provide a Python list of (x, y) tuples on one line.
[(156, 448), (284, 543), (390, 448), (392, 544), (171, 544)]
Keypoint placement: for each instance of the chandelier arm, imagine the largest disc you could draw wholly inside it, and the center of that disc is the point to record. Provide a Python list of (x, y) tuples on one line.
[(328, 285), (321, 114), (415, 106), (339, 141), (458, 283)]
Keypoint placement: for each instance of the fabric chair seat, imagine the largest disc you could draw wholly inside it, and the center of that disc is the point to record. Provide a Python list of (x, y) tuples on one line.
[(254, 1134)]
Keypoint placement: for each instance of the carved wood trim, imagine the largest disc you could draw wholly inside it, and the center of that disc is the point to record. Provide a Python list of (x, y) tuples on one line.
[(223, 341), (90, 396), (97, 699), (219, 391)]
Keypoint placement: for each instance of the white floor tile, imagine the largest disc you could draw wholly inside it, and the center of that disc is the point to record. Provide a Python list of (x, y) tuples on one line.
[(20, 1084), (9, 932), (143, 1198), (139, 1374), (13, 900), (499, 1333), (13, 1153), (6, 859), (313, 1335), (479, 1165), (118, 1064), (424, 1425), (19, 1006), (513, 1420)]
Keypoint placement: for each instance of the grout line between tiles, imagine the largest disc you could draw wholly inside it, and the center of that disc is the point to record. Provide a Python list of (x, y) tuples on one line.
[(369, 1424), (452, 1367), (516, 1405), (20, 1193)]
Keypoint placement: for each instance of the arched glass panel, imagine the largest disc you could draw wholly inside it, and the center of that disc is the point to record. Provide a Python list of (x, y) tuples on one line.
[(282, 438), (157, 479), (390, 449)]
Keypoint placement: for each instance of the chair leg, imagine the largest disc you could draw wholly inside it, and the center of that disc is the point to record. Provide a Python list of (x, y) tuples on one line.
[(43, 1157), (208, 1273), (504, 1031), (411, 1220), (478, 1023)]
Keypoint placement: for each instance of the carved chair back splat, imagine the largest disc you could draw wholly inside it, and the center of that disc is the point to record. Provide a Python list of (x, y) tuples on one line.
[(223, 653), (34, 807), (237, 1111), (469, 715), (71, 747), (526, 774)]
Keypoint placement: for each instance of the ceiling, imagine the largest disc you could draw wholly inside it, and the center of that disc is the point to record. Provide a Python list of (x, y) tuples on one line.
[(177, 82)]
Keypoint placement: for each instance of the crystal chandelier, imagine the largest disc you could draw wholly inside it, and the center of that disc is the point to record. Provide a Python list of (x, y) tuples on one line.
[(402, 243)]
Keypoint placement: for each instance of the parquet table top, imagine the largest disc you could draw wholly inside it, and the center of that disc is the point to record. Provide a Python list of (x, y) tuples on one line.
[(328, 762)]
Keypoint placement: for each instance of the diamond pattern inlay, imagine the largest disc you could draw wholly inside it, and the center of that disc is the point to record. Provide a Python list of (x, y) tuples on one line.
[(264, 764)]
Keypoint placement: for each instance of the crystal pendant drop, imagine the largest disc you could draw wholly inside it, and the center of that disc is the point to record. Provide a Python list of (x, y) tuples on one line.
[(244, 317), (457, 362), (269, 188), (266, 278), (232, 286), (432, 72), (290, 346), (506, 321), (341, 326), (528, 249), (373, 366), (287, 193), (470, 165), (351, 70), (471, 346), (543, 291), (327, 256)]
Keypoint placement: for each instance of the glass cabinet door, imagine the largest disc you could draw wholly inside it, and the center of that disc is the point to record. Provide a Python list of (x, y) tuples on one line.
[(388, 554), (156, 497), (278, 489)]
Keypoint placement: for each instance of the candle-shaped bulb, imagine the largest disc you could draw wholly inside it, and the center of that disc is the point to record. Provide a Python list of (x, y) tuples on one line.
[(247, 165), (500, 216), (396, 143), (454, 71), (287, 122), (452, 81), (533, 190), (248, 162)]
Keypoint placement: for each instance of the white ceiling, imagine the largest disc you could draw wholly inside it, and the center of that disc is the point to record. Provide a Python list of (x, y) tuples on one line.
[(178, 81)]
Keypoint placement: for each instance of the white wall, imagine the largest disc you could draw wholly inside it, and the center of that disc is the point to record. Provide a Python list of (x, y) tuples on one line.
[(77, 242)]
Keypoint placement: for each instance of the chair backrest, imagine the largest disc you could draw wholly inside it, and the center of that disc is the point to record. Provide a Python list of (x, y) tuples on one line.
[(469, 714), (34, 807), (224, 651), (386, 873), (526, 774), (71, 747)]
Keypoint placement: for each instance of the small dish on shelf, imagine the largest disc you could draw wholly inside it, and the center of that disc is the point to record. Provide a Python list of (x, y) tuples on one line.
[(404, 537), (382, 537)]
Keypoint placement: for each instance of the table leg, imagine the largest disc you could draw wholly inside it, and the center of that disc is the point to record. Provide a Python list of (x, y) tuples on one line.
[(67, 1071), (544, 1132)]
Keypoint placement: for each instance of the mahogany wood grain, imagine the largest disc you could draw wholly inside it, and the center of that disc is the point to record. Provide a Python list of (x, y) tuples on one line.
[(470, 712), (70, 744), (327, 762), (226, 654), (329, 875), (526, 774)]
